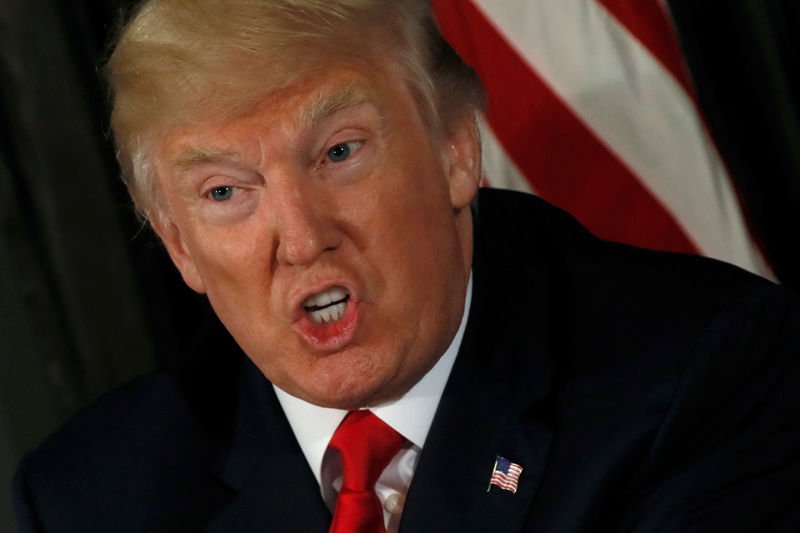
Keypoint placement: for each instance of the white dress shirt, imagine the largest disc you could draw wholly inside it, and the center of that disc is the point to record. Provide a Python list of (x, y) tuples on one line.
[(410, 415)]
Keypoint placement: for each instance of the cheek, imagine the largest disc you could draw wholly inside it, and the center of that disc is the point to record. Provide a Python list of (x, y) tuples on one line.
[(412, 224), (415, 241), (231, 257), (412, 196)]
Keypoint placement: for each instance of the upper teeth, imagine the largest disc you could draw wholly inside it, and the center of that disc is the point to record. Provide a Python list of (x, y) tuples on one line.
[(317, 305), (321, 299)]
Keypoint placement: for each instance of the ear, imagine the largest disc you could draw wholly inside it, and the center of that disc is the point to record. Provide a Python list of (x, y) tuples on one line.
[(171, 237), (463, 160)]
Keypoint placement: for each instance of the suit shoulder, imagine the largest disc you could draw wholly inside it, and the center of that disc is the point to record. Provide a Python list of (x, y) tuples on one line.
[(605, 273), (608, 300), (128, 460), (126, 424)]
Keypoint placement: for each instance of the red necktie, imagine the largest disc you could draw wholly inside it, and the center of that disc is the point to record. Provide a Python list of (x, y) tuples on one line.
[(366, 445)]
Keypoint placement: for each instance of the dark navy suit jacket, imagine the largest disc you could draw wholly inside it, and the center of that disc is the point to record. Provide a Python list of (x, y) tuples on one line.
[(640, 391)]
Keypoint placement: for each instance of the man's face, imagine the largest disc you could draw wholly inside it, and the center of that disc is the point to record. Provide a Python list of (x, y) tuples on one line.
[(331, 235)]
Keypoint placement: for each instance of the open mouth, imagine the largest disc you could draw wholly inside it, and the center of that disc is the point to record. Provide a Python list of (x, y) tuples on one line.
[(329, 318), (327, 306)]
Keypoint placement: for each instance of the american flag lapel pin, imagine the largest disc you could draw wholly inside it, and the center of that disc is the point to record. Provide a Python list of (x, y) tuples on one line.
[(505, 474)]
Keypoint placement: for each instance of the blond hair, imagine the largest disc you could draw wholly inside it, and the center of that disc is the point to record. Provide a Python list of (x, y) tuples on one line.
[(181, 62)]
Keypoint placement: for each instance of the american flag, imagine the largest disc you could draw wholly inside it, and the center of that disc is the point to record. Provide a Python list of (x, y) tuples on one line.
[(505, 474), (592, 108)]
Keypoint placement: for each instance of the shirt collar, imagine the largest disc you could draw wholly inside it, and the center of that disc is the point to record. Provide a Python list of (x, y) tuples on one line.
[(410, 415)]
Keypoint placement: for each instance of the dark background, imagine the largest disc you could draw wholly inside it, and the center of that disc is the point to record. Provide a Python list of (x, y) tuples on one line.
[(88, 298)]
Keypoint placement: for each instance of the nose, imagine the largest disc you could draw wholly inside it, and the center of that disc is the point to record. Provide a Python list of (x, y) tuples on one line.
[(304, 227)]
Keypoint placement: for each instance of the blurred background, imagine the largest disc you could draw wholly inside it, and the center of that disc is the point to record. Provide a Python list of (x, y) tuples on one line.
[(672, 125)]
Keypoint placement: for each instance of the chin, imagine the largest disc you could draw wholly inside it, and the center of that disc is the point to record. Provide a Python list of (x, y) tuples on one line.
[(348, 401), (333, 389), (357, 396)]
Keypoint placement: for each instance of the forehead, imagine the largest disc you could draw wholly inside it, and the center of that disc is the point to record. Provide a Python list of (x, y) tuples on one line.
[(291, 111)]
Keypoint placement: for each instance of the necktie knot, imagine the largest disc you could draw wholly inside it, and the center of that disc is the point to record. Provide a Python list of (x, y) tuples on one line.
[(366, 445)]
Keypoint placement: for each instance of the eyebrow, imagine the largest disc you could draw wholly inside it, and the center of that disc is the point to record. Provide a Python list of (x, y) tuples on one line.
[(331, 102), (195, 157)]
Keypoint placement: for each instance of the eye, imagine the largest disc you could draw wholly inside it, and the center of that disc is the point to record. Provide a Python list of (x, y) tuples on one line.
[(220, 194), (340, 152)]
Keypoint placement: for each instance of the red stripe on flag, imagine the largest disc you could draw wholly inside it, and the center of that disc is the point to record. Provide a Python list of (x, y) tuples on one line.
[(565, 163), (648, 21)]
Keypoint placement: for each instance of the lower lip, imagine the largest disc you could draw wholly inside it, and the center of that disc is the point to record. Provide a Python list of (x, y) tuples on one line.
[(333, 336)]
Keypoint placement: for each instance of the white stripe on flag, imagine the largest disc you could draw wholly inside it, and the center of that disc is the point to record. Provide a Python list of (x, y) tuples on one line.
[(499, 169), (626, 97)]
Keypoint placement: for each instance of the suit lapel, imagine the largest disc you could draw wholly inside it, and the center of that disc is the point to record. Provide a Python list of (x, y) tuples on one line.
[(495, 402), (267, 469)]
